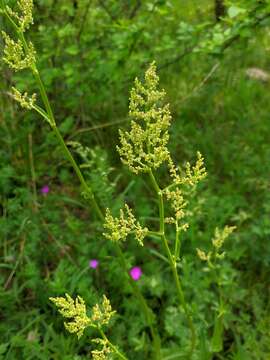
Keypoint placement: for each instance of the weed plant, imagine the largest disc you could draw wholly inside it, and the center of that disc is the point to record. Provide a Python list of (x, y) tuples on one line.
[(172, 321)]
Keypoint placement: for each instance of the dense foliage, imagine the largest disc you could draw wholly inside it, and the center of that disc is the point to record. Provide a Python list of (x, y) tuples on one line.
[(213, 67)]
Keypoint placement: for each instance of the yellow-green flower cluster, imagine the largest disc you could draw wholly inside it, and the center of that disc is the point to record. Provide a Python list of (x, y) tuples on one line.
[(221, 235), (203, 256), (144, 147), (16, 56), (75, 312), (189, 177), (23, 99), (105, 351), (217, 242), (118, 228), (101, 314), (177, 201), (25, 19)]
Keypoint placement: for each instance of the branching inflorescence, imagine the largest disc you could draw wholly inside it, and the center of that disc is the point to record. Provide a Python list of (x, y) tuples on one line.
[(218, 240), (145, 145), (77, 320), (119, 228)]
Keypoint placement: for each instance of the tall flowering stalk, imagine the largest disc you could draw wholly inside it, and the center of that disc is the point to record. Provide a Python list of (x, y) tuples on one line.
[(144, 149), (20, 54)]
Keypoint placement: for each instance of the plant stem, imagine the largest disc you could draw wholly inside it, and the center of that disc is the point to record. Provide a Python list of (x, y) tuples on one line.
[(147, 312), (172, 261), (114, 348), (177, 245)]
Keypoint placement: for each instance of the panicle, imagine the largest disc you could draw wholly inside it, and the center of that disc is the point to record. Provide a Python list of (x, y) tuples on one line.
[(144, 147), (118, 228), (217, 242), (23, 99), (221, 236), (101, 314), (105, 351), (191, 175), (75, 312), (25, 17), (189, 178), (203, 256), (15, 55)]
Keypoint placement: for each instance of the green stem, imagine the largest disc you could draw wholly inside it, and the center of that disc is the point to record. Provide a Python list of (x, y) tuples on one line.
[(172, 262), (180, 294), (177, 245), (147, 312), (114, 348)]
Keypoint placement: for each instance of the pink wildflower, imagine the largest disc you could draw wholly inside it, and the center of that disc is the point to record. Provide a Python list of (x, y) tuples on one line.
[(45, 189), (135, 273), (93, 263)]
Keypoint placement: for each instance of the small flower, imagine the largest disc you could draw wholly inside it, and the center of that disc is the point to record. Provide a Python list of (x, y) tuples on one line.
[(93, 263), (135, 273), (45, 189)]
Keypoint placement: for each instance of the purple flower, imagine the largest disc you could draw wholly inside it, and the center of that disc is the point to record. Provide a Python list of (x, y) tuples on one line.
[(135, 273), (93, 263), (45, 189)]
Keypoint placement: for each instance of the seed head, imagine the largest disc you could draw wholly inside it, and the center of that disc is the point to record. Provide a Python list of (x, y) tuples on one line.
[(144, 147)]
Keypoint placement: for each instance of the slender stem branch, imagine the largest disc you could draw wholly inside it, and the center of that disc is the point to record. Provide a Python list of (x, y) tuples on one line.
[(160, 202), (177, 245), (41, 112), (172, 261), (113, 347), (154, 233)]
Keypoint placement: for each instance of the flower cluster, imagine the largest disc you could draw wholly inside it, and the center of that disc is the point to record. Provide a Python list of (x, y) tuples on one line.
[(145, 146), (187, 177), (191, 175), (118, 228), (221, 235), (25, 19), (16, 56), (218, 240), (23, 99), (104, 352), (75, 312), (78, 321), (101, 314)]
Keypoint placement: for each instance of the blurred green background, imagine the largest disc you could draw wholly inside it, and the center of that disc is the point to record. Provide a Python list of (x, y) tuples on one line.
[(214, 63)]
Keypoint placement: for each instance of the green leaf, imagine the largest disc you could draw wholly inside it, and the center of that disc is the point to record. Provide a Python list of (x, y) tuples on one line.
[(3, 348), (217, 339), (72, 50), (234, 11)]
